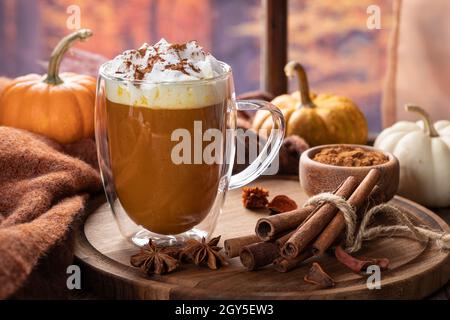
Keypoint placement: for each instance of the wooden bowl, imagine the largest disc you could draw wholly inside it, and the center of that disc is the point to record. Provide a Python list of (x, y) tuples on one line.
[(317, 177)]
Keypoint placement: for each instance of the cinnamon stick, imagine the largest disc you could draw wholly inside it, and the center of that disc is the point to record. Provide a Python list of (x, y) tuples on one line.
[(358, 265), (271, 227), (283, 239), (315, 224), (316, 275), (375, 197), (234, 245), (337, 225), (258, 255), (284, 265)]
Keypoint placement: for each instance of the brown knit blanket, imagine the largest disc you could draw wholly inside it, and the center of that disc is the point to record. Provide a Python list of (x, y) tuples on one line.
[(43, 192)]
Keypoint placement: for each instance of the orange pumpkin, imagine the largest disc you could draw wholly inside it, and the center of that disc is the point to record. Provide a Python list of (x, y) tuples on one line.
[(59, 106), (4, 82)]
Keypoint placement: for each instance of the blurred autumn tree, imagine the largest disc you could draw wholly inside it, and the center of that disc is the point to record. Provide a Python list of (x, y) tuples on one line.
[(329, 37), (32, 28), (126, 24), (341, 55)]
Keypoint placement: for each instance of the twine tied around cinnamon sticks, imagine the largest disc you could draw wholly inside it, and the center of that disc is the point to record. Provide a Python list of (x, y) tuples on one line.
[(288, 239), (404, 226)]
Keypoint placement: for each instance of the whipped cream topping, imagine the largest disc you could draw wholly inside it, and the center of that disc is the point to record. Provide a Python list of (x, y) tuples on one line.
[(163, 67), (165, 62)]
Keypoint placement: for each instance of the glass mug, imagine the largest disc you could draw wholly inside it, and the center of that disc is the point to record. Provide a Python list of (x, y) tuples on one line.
[(164, 175)]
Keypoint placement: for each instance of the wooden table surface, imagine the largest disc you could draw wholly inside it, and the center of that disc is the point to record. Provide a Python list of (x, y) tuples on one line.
[(444, 293), (441, 294)]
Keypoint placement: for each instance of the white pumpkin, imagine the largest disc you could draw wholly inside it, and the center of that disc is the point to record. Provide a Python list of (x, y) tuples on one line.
[(423, 150)]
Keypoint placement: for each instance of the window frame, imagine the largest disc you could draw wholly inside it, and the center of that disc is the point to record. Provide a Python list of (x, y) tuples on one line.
[(274, 46)]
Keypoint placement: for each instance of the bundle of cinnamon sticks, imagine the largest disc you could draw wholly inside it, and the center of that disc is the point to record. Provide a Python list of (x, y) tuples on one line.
[(287, 239)]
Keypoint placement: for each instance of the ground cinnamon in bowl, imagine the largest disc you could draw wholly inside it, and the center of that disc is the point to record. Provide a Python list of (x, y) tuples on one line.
[(349, 156)]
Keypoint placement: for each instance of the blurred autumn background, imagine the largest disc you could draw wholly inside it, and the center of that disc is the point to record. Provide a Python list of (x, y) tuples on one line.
[(329, 37)]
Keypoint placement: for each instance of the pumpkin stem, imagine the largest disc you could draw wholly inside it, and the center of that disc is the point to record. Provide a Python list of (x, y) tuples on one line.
[(59, 51), (292, 68), (428, 126)]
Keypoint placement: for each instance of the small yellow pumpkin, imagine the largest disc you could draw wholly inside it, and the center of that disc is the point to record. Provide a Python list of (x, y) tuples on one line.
[(319, 119), (59, 106)]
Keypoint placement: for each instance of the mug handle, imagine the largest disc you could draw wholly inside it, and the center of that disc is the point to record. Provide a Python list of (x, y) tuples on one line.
[(263, 161)]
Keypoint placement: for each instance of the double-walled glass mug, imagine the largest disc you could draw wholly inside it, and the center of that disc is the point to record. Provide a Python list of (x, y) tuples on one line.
[(166, 152)]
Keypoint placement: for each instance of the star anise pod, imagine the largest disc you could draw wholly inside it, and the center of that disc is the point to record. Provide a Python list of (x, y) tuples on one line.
[(156, 260), (204, 253)]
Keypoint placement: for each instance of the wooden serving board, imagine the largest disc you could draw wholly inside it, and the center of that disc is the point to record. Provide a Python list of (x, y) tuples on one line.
[(416, 269)]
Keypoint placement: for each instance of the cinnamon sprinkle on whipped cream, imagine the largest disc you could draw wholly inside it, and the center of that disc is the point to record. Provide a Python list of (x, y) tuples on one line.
[(165, 62), (168, 73)]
